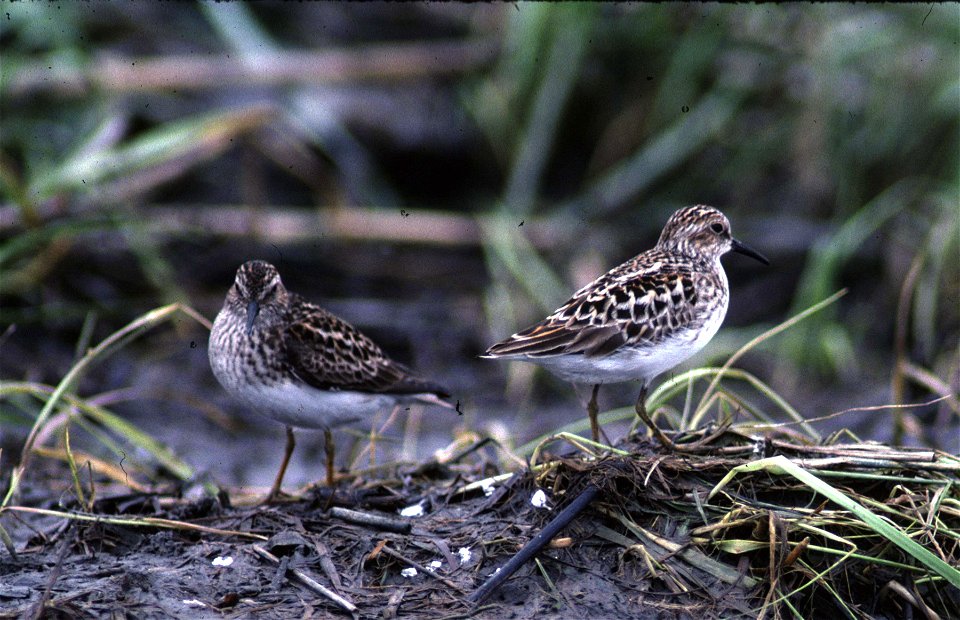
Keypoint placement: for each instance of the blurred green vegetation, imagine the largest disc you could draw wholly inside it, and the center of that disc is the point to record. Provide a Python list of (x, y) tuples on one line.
[(828, 133)]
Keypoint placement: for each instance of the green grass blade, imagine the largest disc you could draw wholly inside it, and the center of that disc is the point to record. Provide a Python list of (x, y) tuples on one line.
[(780, 465), (102, 351)]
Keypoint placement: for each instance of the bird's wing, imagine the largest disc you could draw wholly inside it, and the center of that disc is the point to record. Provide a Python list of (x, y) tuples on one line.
[(642, 301), (330, 354)]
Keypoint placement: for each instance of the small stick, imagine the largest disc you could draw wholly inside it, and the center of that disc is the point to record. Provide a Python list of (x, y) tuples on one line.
[(307, 581), (367, 518), (280, 574), (327, 564), (445, 550), (37, 611), (467, 451), (536, 543), (421, 568), (393, 604)]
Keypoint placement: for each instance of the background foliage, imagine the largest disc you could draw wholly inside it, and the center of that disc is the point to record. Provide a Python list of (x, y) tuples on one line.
[(442, 175)]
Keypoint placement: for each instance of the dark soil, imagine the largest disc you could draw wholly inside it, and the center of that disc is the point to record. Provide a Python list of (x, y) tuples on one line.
[(631, 553), (83, 569)]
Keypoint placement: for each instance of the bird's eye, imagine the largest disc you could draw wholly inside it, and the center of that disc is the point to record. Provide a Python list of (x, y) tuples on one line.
[(717, 227)]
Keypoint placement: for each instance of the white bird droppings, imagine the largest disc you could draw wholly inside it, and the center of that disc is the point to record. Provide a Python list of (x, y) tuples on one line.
[(416, 510), (539, 499)]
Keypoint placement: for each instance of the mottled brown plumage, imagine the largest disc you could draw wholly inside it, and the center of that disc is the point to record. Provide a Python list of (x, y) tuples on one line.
[(632, 305), (328, 353), (641, 318), (297, 363)]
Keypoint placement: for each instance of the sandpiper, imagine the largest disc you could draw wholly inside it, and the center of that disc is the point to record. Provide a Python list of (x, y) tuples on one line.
[(299, 364), (641, 318)]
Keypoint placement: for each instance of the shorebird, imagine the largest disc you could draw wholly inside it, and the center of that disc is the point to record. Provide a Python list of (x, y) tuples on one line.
[(302, 366), (641, 318)]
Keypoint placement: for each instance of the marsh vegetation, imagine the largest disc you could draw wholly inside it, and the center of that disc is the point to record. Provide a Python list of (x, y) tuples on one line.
[(441, 176)]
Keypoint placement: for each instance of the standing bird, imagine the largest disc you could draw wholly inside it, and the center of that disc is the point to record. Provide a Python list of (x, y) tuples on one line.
[(302, 366), (641, 318)]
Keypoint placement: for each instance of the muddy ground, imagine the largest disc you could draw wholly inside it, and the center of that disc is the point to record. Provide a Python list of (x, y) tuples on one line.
[(632, 552), (90, 569)]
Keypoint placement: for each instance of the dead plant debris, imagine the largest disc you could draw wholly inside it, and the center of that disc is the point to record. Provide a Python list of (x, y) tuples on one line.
[(661, 535)]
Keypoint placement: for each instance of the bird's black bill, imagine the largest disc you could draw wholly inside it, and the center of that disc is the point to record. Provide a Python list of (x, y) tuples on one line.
[(739, 248), (252, 309)]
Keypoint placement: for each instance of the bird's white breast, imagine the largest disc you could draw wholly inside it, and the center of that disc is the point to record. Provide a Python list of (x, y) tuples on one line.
[(303, 406)]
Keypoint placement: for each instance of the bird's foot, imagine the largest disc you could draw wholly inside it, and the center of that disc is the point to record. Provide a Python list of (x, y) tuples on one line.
[(641, 409)]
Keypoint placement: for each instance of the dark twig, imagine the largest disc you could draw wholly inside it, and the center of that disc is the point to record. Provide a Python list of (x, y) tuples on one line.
[(393, 604), (420, 567), (383, 548), (65, 546), (308, 581), (281, 574), (8, 543), (445, 551), (366, 518), (472, 448), (536, 543), (327, 564)]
